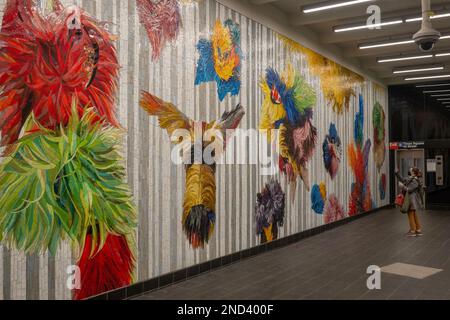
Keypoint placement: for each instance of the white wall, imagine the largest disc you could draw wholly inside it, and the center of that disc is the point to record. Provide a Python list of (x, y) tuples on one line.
[(157, 184)]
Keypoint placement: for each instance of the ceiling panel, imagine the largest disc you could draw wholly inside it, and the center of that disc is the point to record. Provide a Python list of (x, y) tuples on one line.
[(322, 24)]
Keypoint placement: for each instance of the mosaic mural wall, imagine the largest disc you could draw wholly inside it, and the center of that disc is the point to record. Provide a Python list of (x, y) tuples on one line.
[(182, 61)]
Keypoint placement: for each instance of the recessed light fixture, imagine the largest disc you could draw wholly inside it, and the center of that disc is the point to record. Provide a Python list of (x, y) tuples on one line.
[(331, 5), (403, 58), (436, 16), (435, 91), (366, 26), (418, 70), (392, 43), (428, 77)]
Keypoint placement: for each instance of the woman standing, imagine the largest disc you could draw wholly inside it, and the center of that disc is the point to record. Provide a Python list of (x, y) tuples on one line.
[(413, 186)]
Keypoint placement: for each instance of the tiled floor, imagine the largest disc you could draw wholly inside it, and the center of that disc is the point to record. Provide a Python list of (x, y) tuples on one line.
[(333, 265)]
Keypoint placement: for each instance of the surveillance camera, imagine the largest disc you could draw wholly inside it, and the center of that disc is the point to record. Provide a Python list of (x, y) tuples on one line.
[(426, 38)]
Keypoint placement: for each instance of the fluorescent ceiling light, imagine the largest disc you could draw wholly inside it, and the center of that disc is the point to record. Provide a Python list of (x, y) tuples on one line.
[(418, 70), (435, 91), (436, 16), (367, 26), (434, 85), (413, 19), (384, 44), (440, 95), (428, 77), (442, 15), (404, 58), (331, 5), (392, 43), (383, 60), (444, 99)]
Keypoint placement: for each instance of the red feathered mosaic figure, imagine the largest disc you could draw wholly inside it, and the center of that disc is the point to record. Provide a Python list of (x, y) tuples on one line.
[(53, 67), (46, 61), (358, 157), (161, 20)]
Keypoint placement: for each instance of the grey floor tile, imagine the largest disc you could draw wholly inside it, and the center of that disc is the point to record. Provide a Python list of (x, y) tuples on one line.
[(333, 264)]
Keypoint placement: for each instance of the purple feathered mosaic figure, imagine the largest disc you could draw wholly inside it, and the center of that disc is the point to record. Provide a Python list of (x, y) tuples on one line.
[(269, 210)]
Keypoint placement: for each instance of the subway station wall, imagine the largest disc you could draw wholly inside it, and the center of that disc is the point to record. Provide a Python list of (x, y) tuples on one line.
[(336, 130)]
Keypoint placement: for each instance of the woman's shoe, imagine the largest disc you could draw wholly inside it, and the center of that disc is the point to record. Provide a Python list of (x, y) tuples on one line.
[(411, 234), (419, 233)]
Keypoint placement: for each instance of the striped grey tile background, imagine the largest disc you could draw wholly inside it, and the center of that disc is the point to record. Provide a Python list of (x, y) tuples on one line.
[(157, 184)]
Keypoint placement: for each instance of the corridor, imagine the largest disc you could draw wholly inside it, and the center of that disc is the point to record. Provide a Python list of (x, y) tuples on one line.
[(332, 265)]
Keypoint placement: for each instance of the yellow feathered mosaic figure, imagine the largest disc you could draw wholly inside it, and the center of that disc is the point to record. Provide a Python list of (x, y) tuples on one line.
[(337, 82), (200, 196)]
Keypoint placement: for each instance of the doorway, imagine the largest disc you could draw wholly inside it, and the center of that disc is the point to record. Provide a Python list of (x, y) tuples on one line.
[(405, 159)]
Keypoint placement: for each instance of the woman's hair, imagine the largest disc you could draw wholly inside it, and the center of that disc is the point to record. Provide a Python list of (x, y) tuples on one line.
[(416, 171)]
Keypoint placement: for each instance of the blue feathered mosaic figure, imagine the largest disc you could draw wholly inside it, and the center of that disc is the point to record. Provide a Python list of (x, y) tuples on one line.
[(318, 198), (288, 106), (220, 59), (359, 124)]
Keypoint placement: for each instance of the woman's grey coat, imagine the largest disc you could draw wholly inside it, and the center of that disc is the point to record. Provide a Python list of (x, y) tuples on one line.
[(412, 186)]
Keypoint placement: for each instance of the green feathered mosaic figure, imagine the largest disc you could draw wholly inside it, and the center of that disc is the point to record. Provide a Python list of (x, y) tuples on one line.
[(62, 176), (379, 135), (68, 184)]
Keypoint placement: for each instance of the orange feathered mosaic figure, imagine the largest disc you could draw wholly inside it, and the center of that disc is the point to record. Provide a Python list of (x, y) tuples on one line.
[(58, 77)]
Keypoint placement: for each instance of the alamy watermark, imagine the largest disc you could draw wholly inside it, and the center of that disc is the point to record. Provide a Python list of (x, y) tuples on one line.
[(235, 146), (74, 277), (374, 19), (374, 280)]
